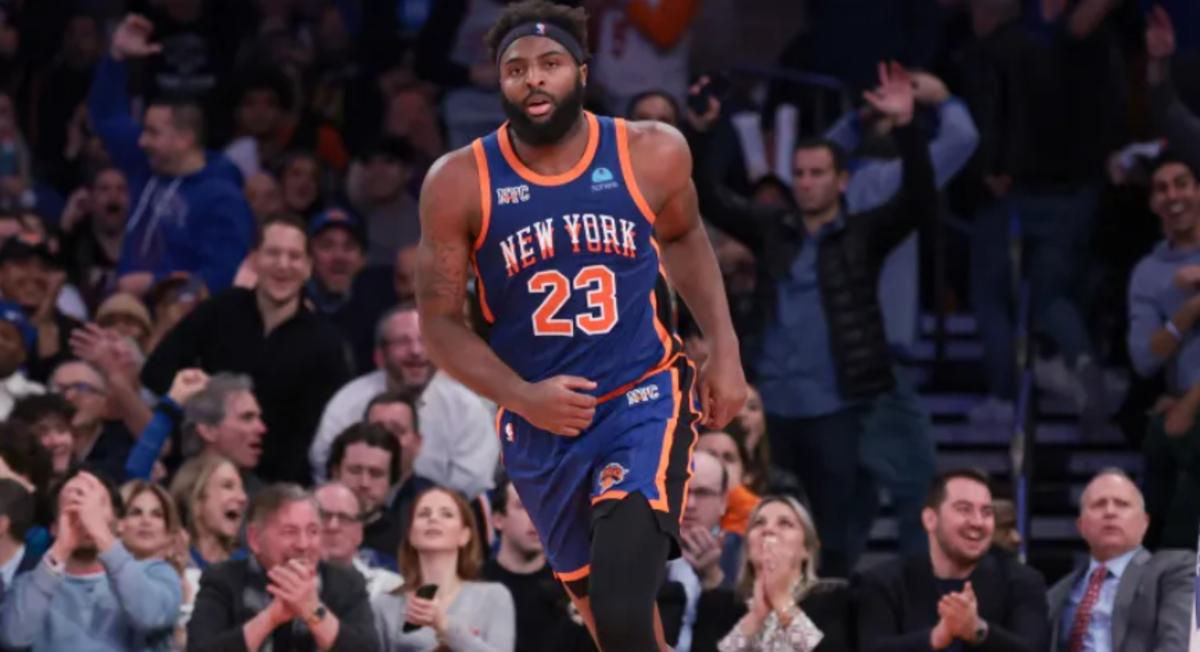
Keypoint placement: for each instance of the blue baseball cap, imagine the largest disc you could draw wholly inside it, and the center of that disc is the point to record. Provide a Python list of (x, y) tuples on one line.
[(341, 218), (15, 315)]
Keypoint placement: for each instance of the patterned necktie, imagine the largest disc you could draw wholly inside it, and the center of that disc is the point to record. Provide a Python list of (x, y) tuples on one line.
[(1083, 616)]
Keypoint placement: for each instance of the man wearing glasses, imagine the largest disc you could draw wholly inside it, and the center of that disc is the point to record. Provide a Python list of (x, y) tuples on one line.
[(101, 443), (342, 538)]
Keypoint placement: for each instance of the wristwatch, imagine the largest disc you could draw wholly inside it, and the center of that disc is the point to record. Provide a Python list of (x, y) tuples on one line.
[(981, 633), (317, 615)]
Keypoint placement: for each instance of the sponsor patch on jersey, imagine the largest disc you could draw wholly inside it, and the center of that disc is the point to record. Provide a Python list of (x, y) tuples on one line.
[(512, 195), (612, 475), (602, 179), (643, 394)]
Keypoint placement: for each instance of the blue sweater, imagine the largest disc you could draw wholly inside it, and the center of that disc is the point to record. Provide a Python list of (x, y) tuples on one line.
[(133, 605), (1153, 299), (198, 223)]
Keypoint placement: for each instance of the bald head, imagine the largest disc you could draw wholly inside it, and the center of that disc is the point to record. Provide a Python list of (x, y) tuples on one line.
[(1112, 515)]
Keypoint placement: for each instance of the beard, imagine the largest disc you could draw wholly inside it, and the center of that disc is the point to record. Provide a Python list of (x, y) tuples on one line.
[(956, 553), (564, 114)]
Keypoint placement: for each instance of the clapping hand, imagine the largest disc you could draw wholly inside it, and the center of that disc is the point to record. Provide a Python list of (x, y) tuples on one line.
[(294, 584), (960, 612), (132, 39)]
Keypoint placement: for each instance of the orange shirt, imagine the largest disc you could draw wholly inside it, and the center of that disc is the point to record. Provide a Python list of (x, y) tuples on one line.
[(742, 501)]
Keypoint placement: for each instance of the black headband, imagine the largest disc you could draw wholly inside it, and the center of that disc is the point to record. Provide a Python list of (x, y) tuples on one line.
[(548, 30)]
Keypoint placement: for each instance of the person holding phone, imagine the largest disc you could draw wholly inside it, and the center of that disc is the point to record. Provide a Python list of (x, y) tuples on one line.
[(440, 606)]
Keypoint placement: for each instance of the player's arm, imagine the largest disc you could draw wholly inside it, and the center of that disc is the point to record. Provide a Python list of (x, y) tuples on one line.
[(689, 259), (449, 205)]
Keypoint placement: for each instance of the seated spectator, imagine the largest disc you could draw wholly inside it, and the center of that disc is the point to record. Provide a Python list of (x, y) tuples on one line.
[(378, 187), (520, 565), (788, 605), (342, 538), (299, 175), (18, 339), (957, 594), (119, 360), (151, 529), (24, 459), (405, 279), (1007, 538), (127, 316), (264, 195), (89, 592), (366, 458), (396, 412), (261, 333), (459, 447), (341, 288), (16, 517), (26, 280), (284, 594), (1125, 598), (212, 502), (260, 116), (93, 227), (100, 443), (170, 300), (189, 214), (741, 499), (703, 545), (443, 549), (49, 417), (655, 106)]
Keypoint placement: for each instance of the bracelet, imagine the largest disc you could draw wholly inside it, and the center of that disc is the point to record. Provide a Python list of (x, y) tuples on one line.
[(1173, 330)]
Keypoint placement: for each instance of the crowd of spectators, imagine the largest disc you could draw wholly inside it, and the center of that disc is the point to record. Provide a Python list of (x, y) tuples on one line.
[(220, 429)]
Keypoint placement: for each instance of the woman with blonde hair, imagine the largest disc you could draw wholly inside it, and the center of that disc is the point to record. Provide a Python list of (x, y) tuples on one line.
[(442, 550), (208, 491), (787, 606)]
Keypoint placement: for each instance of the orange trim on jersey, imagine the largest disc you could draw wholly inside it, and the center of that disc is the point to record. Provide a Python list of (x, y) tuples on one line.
[(627, 171), (664, 458), (633, 383), (483, 303), (691, 407), (577, 574), (611, 494), (664, 337), (499, 418), (522, 170), (485, 191)]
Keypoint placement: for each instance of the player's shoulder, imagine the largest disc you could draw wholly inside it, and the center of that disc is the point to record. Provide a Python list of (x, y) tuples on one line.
[(658, 151), (452, 185), (454, 168)]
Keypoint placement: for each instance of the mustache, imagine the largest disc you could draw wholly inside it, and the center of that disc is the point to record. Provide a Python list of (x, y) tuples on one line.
[(539, 93)]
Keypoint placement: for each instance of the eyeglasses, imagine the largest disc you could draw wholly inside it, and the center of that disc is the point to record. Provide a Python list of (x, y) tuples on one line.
[(342, 518), (703, 493), (79, 387)]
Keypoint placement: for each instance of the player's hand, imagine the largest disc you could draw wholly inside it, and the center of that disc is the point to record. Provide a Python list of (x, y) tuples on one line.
[(558, 405), (722, 388)]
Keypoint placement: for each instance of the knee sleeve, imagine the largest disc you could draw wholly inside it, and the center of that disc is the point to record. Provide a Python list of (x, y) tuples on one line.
[(629, 555)]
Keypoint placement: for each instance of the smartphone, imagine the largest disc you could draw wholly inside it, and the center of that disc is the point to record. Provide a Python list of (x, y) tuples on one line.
[(425, 592)]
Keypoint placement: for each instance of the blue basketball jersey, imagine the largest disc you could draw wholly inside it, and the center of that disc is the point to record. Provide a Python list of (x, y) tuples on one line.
[(567, 266)]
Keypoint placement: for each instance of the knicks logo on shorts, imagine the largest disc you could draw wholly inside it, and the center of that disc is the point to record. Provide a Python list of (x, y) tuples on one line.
[(612, 475), (643, 394)]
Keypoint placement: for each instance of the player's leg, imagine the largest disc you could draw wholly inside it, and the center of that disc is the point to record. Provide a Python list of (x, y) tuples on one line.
[(629, 556), (577, 591)]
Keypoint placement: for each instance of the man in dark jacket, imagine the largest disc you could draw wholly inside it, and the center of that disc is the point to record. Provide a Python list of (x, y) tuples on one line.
[(283, 593), (823, 352), (957, 594)]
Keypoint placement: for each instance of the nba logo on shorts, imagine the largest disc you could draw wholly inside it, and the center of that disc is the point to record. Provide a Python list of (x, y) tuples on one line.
[(612, 475)]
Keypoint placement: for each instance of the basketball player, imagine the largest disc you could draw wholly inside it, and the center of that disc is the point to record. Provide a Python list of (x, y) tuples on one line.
[(568, 219)]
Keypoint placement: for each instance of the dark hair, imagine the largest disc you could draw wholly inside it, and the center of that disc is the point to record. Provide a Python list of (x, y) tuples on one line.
[(819, 142), (937, 490), (1167, 157), (670, 99), (572, 19), (774, 182), (94, 175), (114, 496), (186, 115), (754, 471), (369, 435), (17, 504), (408, 398), (499, 497), (283, 219), (23, 453), (265, 78), (381, 325), (32, 409)]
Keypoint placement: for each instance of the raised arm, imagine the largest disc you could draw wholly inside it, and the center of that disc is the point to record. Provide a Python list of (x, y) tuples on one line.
[(108, 100), (452, 209), (662, 167)]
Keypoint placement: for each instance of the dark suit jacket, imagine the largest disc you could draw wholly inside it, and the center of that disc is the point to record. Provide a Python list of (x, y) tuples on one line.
[(898, 605), (1153, 607), (222, 609)]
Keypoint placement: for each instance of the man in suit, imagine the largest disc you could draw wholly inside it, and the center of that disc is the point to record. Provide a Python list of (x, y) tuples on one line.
[(957, 596), (1125, 598), (283, 594)]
